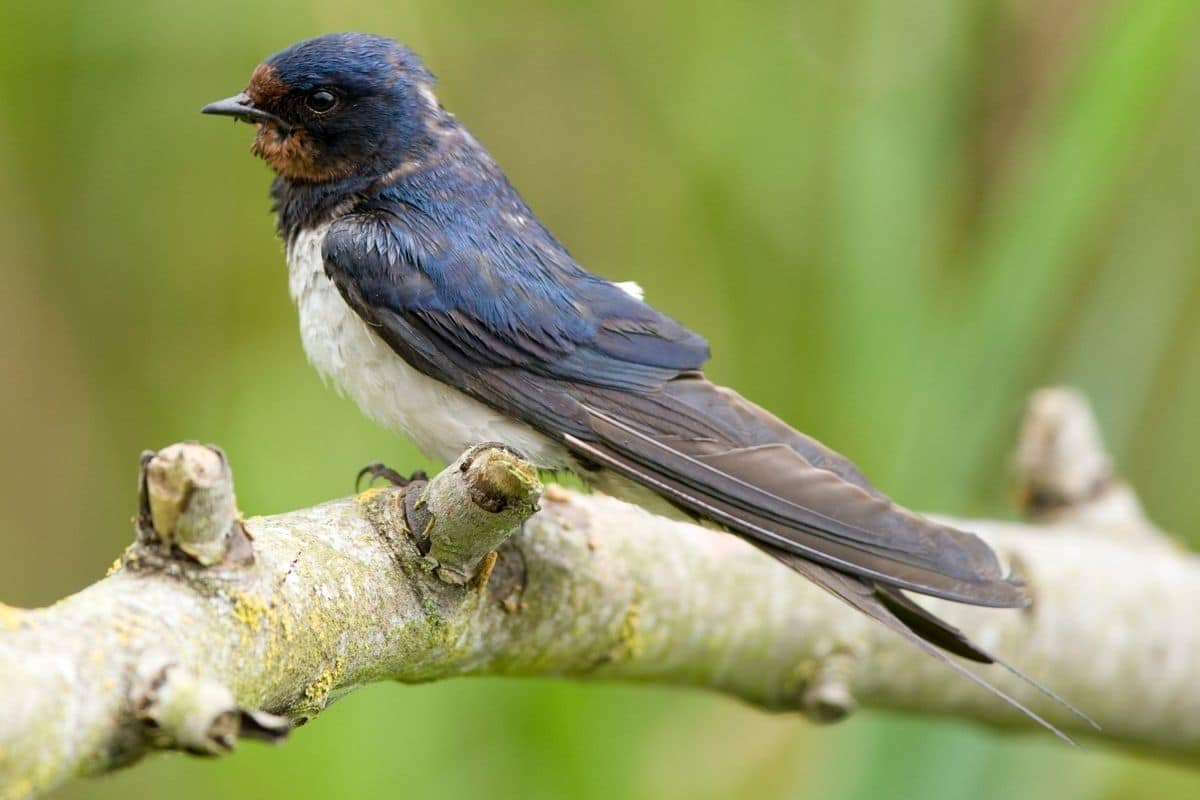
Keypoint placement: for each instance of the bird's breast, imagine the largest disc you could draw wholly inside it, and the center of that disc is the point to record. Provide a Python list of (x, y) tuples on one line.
[(440, 420)]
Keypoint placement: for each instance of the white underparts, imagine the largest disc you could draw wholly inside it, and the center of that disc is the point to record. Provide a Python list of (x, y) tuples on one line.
[(440, 420)]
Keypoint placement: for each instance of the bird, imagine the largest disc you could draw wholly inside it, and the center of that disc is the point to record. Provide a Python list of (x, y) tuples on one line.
[(430, 293)]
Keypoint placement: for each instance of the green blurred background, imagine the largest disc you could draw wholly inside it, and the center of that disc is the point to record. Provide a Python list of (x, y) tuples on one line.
[(892, 219)]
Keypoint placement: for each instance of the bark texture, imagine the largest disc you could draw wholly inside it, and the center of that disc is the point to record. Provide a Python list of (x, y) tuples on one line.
[(210, 628)]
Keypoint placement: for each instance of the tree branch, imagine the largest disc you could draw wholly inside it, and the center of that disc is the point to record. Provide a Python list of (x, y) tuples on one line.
[(209, 628)]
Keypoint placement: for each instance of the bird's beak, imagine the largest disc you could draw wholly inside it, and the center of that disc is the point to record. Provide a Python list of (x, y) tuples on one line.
[(242, 107)]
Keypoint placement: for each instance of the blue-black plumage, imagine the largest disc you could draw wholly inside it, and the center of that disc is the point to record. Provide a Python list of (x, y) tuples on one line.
[(433, 295)]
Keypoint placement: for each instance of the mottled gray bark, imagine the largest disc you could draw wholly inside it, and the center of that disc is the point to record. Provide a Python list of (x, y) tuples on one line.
[(210, 628)]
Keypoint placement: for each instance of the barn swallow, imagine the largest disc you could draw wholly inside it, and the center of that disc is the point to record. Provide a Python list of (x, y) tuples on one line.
[(431, 294)]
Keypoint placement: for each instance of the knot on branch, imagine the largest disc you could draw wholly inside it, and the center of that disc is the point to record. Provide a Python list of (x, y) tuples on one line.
[(183, 712), (187, 504), (1065, 473), (827, 697), (471, 507), (1060, 460)]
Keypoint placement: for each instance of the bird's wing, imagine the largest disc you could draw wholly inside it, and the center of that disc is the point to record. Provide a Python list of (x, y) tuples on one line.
[(590, 366), (620, 387), (532, 309)]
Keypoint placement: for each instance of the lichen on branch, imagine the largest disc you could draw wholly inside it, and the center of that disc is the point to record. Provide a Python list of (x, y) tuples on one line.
[(212, 628)]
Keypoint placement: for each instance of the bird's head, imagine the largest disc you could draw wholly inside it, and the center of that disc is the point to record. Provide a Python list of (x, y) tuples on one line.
[(337, 105)]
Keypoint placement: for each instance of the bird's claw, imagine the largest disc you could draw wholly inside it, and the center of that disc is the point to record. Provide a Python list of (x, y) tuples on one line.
[(377, 469)]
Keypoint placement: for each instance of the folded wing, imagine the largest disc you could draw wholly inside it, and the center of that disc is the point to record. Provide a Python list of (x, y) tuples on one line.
[(619, 385)]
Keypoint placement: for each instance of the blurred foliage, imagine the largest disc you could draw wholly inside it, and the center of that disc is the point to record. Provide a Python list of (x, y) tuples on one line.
[(892, 218)]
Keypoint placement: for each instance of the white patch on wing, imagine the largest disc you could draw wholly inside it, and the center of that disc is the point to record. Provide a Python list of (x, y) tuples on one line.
[(426, 91), (440, 420), (631, 288)]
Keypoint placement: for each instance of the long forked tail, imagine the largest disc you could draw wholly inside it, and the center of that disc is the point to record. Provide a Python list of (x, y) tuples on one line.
[(925, 630), (714, 454), (890, 607)]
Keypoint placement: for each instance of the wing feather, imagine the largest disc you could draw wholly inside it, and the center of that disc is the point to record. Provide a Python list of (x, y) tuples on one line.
[(590, 366)]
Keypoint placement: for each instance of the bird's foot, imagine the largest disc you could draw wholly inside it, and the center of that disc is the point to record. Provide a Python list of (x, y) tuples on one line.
[(378, 469)]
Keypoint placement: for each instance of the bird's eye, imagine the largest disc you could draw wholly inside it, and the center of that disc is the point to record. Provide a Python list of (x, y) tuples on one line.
[(321, 100)]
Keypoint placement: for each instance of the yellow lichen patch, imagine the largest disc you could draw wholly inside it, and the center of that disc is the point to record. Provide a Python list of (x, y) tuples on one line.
[(285, 624), (630, 642), (249, 610), (369, 494), (10, 618), (315, 625), (254, 613), (318, 691)]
